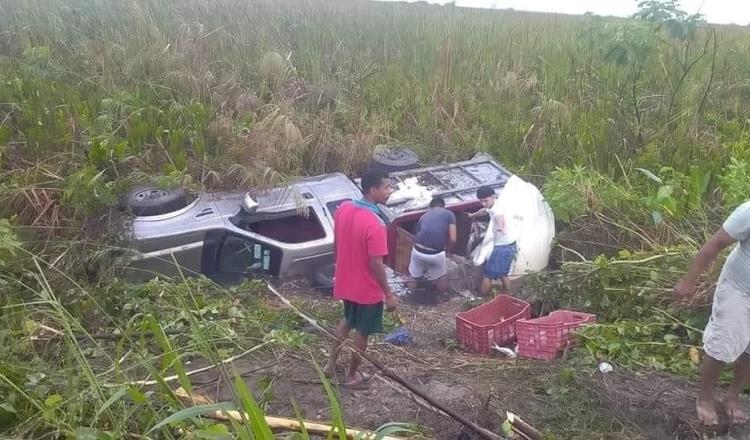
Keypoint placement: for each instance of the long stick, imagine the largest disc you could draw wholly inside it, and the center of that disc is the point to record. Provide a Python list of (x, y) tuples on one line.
[(485, 433), (520, 426), (278, 423)]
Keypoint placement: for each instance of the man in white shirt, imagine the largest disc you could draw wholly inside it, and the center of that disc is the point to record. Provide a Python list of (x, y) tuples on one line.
[(497, 266), (727, 335)]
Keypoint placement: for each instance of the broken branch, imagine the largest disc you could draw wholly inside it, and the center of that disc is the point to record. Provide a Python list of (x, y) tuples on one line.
[(523, 428)]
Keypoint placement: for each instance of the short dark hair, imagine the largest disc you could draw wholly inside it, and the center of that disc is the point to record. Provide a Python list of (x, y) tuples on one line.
[(372, 178), (437, 202), (485, 191)]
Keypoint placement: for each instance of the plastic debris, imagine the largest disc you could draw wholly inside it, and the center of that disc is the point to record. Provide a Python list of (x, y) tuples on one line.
[(410, 195), (511, 353), (397, 282), (533, 221), (467, 294), (400, 336), (605, 367)]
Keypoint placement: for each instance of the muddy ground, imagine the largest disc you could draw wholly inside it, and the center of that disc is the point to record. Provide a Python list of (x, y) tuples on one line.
[(565, 400)]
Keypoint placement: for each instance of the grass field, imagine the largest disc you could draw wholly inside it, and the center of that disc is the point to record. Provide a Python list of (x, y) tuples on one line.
[(637, 129)]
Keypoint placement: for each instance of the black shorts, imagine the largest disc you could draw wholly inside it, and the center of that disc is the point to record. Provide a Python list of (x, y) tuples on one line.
[(365, 318)]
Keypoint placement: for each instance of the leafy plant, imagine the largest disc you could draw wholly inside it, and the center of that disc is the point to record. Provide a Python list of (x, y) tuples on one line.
[(9, 242), (89, 190), (289, 337), (665, 200), (625, 286), (735, 182), (654, 344), (667, 14), (567, 191), (627, 43), (577, 191), (631, 296)]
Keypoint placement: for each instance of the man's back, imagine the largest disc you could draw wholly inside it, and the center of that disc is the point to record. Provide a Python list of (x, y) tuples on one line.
[(360, 234), (433, 228)]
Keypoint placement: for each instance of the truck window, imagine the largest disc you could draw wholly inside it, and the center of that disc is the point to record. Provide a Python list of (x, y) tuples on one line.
[(290, 227), (239, 256)]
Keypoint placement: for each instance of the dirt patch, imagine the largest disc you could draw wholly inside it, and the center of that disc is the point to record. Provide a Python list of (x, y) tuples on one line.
[(620, 405), (662, 405), (381, 402)]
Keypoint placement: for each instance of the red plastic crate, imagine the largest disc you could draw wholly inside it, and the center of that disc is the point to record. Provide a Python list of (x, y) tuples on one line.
[(493, 322), (544, 338)]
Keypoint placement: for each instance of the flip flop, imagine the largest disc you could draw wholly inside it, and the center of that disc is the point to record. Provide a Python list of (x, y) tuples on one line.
[(364, 379)]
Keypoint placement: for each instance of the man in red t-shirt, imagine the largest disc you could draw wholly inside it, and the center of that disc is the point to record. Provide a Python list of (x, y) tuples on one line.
[(360, 243)]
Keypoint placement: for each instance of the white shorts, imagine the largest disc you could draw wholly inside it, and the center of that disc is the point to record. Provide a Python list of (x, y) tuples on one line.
[(427, 266), (727, 334)]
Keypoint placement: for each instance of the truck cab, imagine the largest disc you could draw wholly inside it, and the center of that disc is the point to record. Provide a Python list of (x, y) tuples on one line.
[(287, 231)]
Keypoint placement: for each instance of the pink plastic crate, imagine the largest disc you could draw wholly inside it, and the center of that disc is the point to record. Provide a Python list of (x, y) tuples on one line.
[(544, 338), (493, 322)]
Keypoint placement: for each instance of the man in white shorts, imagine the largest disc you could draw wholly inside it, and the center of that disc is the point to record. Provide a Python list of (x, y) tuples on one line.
[(727, 335), (436, 234)]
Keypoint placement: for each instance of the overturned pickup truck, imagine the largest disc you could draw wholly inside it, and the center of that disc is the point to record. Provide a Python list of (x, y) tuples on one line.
[(288, 231)]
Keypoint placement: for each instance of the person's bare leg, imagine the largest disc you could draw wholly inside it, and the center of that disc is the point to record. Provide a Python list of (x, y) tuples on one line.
[(484, 289), (732, 401), (360, 342), (441, 284), (506, 284), (342, 332), (705, 405), (411, 282)]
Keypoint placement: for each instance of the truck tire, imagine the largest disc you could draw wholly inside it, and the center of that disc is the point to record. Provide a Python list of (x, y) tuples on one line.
[(393, 159), (149, 200)]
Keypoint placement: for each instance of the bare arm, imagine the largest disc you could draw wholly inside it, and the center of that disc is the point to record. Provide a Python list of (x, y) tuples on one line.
[(378, 269), (479, 213), (452, 236), (720, 240), (705, 256)]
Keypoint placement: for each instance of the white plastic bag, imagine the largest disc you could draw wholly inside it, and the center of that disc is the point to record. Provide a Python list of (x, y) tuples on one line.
[(534, 224), (411, 194)]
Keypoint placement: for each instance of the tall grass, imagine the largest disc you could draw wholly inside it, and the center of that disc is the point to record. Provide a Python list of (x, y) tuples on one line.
[(533, 89), (60, 377), (96, 95)]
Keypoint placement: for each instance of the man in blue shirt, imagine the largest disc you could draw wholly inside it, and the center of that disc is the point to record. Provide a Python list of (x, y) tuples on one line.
[(436, 235)]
